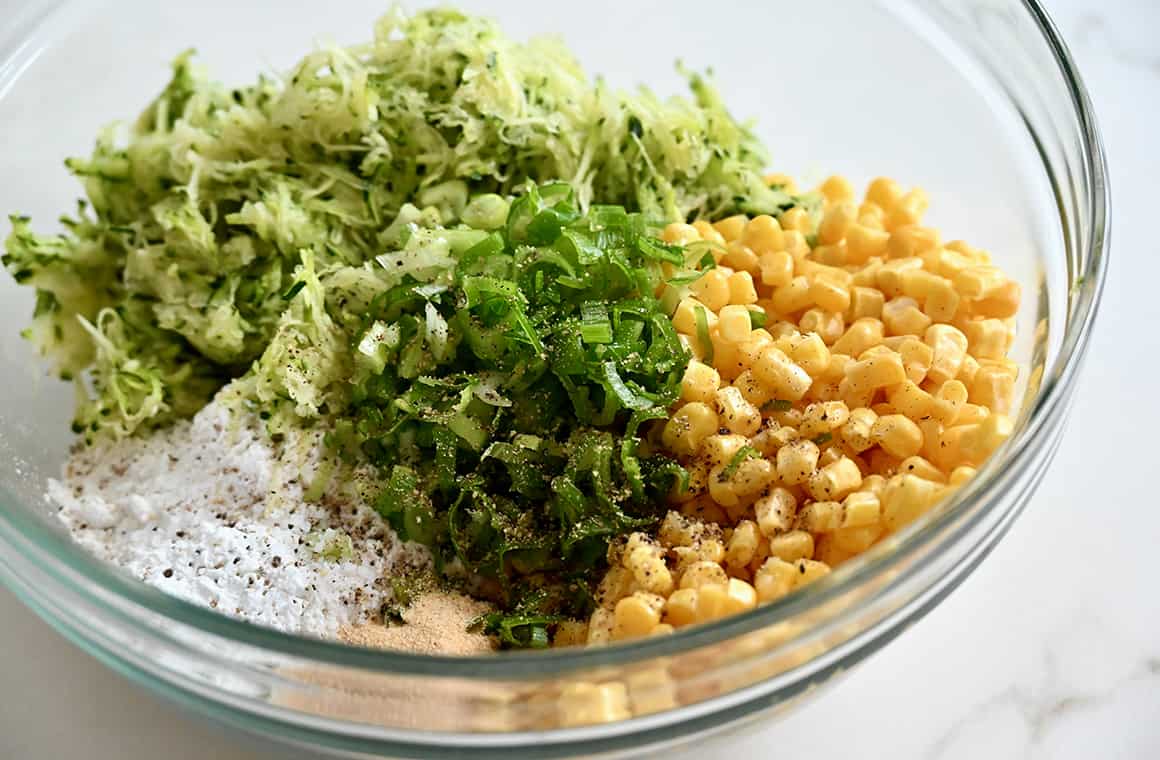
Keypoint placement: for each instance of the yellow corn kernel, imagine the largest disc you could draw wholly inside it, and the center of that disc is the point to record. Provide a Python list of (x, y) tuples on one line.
[(898, 435), (718, 449), (857, 432), (947, 401), (905, 498), (703, 510), (874, 483), (910, 400), (1000, 304), (701, 573), (863, 242), (912, 240), (797, 219), (993, 388), (809, 570), (685, 317), (867, 275), (872, 215), (865, 302), (786, 379), (680, 234), (742, 545), (764, 235), (820, 516), (732, 228), (734, 324), (774, 579), (600, 626), (979, 441), (884, 193), (967, 371), (687, 429), (901, 316), (950, 350), (741, 288), (781, 180), (740, 257), (585, 704), (829, 552), (712, 290), (796, 461), (908, 210), (942, 302), (681, 609), (863, 334), (708, 233), (750, 478), (932, 432), (776, 268), (916, 358), (961, 474), (649, 570), (920, 283), (978, 282), (859, 509), (826, 325), (792, 546), (795, 243), (889, 276), (775, 511), (751, 389), (856, 540), (809, 352), (921, 468), (737, 414), (875, 371), (636, 615), (987, 338), (836, 189), (699, 383), (824, 417), (792, 297), (733, 598), (836, 222), (835, 480)]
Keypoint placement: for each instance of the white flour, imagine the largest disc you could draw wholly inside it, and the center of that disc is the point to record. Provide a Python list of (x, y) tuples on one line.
[(213, 512)]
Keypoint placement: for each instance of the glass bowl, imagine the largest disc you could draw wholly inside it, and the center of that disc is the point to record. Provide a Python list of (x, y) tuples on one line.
[(977, 101)]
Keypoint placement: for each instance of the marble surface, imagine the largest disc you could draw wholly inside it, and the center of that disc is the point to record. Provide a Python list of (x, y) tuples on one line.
[(1050, 650)]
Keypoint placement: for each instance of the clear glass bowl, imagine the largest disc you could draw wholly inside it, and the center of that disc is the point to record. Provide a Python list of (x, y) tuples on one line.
[(978, 101)]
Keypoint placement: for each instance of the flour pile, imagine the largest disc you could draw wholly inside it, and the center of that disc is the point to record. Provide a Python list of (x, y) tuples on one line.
[(214, 512)]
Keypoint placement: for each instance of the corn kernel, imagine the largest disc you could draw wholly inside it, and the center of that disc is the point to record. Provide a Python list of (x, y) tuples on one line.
[(836, 222), (775, 511), (680, 234), (734, 324), (712, 290), (699, 383), (787, 379), (993, 387), (792, 546), (774, 579), (719, 449), (859, 509), (583, 704), (796, 461), (636, 615), (741, 288), (910, 400), (947, 401), (764, 235), (865, 303), (863, 334), (792, 297), (875, 371), (688, 428), (732, 228), (901, 316), (950, 350), (857, 432), (835, 480), (709, 234), (921, 468), (837, 189), (905, 498), (681, 609), (737, 414), (740, 257), (685, 317), (889, 275), (776, 268), (797, 218), (884, 193), (742, 545), (898, 435), (1000, 304), (864, 241), (820, 516), (961, 474)]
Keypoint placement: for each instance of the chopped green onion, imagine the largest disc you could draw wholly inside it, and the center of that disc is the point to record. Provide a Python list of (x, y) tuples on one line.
[(703, 335), (757, 319), (777, 405), (743, 453)]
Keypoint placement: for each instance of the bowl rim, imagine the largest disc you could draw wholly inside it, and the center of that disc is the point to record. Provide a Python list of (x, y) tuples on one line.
[(935, 530)]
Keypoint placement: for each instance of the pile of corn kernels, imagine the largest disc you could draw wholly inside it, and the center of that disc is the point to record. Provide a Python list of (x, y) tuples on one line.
[(846, 378)]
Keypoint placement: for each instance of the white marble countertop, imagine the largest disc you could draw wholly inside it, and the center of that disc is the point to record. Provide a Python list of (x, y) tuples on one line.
[(1050, 650)]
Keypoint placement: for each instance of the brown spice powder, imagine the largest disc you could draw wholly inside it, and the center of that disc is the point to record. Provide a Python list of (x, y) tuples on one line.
[(435, 623)]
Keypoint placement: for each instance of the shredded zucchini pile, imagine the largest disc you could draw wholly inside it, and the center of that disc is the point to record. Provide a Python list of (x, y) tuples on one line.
[(438, 244)]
